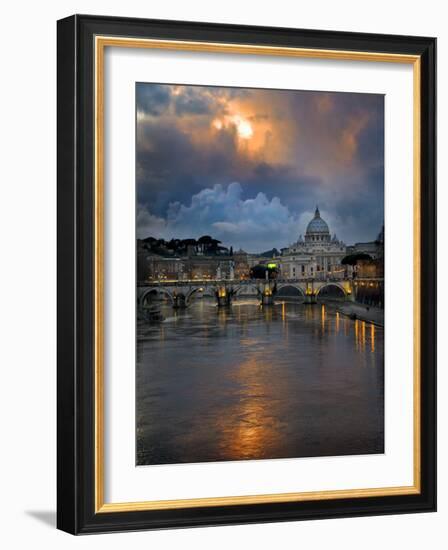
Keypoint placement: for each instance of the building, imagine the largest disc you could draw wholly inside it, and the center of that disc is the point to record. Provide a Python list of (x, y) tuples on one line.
[(318, 255), (241, 263), (164, 269), (153, 267), (375, 249), (183, 260)]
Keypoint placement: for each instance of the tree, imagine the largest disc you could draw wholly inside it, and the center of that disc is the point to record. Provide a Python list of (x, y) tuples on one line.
[(259, 272), (189, 242), (352, 259), (205, 239)]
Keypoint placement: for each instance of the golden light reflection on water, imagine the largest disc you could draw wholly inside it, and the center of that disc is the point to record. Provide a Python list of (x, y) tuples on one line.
[(222, 316), (360, 335), (284, 321), (322, 318), (267, 311), (346, 326), (249, 428), (363, 336), (309, 313)]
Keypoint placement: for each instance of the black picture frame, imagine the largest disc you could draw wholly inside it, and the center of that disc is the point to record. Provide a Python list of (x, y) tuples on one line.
[(76, 272)]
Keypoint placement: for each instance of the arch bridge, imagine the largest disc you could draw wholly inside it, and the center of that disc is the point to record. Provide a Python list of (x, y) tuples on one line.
[(182, 293)]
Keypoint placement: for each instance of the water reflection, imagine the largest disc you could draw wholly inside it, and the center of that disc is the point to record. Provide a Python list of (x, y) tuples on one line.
[(257, 382)]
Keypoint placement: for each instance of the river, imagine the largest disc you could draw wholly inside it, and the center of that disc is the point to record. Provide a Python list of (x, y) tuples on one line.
[(252, 382)]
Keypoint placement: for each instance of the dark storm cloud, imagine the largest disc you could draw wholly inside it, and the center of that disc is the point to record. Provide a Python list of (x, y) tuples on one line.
[(192, 102), (301, 148), (152, 100), (170, 166)]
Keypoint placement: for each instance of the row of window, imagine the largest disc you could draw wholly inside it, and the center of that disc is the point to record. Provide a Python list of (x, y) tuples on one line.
[(302, 269)]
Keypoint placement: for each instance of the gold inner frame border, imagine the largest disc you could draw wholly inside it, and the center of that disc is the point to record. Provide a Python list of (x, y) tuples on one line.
[(101, 42)]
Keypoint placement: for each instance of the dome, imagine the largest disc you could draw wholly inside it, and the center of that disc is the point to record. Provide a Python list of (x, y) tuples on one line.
[(317, 225)]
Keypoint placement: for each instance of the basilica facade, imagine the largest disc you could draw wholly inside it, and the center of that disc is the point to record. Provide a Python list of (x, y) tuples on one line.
[(318, 255)]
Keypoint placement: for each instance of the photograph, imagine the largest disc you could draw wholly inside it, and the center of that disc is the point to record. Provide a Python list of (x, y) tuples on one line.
[(259, 273)]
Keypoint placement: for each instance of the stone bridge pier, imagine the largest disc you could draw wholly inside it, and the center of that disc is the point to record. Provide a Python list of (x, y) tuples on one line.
[(224, 296), (179, 301)]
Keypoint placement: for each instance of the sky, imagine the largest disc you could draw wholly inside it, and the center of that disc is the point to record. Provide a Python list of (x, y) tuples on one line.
[(248, 166)]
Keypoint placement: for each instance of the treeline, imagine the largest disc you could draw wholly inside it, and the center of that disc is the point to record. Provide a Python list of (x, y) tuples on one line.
[(181, 247)]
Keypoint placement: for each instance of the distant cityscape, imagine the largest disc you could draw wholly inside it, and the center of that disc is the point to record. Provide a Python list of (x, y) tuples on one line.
[(316, 255)]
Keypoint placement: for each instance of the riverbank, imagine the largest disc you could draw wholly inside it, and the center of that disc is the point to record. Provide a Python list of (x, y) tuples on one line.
[(364, 313)]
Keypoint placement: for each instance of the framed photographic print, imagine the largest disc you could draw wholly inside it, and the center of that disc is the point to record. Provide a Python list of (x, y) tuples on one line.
[(246, 274)]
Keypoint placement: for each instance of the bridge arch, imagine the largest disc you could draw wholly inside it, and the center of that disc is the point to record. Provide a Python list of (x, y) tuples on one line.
[(209, 291), (293, 286), (190, 294), (334, 285), (241, 289), (156, 291)]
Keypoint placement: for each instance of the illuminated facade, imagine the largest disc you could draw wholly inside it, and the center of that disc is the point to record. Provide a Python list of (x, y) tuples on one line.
[(318, 255), (375, 249), (157, 268)]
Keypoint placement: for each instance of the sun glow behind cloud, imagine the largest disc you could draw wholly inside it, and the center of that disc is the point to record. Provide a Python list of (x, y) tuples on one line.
[(243, 126), (302, 148)]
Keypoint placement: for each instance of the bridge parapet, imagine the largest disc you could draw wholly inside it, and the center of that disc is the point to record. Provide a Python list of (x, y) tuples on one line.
[(181, 293)]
